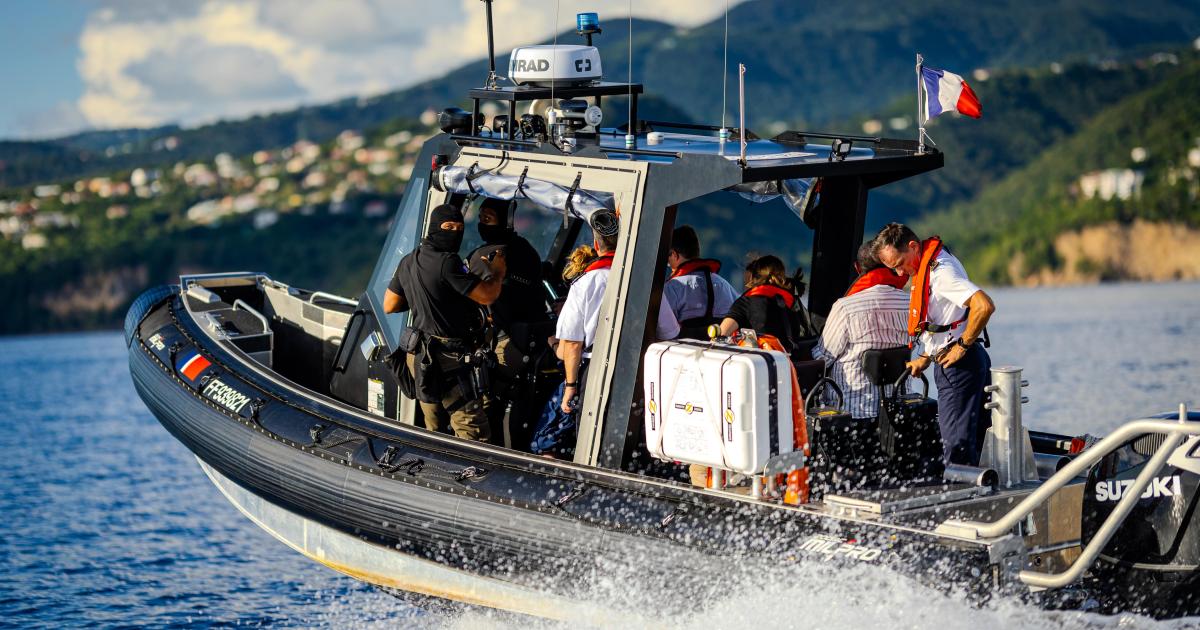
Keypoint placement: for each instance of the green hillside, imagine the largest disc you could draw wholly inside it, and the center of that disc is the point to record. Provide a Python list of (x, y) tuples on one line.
[(1023, 213), (1025, 112)]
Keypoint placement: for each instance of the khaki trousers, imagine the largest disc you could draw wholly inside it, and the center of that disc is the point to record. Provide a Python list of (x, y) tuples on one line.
[(467, 418)]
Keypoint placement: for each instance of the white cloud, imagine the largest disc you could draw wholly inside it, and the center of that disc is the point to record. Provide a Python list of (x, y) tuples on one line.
[(144, 66)]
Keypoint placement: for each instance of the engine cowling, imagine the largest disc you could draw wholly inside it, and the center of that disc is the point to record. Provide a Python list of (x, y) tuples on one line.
[(1153, 560)]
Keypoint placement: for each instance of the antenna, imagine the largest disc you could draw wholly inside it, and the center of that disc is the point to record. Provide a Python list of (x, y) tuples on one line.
[(550, 113), (742, 110), (723, 134), (631, 134), (491, 78)]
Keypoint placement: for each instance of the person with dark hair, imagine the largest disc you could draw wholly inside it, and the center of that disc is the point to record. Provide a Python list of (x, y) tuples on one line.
[(769, 304), (522, 302), (576, 331), (948, 312), (695, 292), (523, 298), (445, 325), (871, 316)]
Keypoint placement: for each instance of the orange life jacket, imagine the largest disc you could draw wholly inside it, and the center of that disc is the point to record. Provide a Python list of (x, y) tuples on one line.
[(876, 277), (697, 264), (770, 290), (603, 262), (796, 485), (918, 301)]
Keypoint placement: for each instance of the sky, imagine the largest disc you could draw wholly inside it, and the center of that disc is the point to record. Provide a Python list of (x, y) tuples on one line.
[(70, 65)]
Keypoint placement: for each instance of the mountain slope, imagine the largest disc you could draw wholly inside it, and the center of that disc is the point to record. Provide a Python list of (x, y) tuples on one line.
[(809, 63), (1025, 112)]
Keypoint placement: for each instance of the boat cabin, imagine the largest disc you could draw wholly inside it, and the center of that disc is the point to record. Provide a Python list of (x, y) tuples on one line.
[(555, 185), (555, 174)]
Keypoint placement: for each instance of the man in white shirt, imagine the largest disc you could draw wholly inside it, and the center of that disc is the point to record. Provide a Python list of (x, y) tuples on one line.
[(576, 332), (696, 293), (949, 312), (872, 316)]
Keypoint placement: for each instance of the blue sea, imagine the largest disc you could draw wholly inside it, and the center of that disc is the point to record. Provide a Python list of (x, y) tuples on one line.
[(105, 520)]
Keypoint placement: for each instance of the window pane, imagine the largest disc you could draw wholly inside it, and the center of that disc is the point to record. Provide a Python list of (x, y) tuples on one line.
[(400, 241)]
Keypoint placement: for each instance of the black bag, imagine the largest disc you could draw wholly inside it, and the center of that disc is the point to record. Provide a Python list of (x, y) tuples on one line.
[(909, 433), (845, 452), (398, 362)]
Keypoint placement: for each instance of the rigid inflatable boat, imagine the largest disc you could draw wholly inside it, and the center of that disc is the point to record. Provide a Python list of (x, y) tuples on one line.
[(287, 399)]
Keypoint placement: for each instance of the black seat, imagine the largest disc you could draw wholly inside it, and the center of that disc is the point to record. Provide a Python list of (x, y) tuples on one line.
[(884, 367), (908, 430), (808, 373)]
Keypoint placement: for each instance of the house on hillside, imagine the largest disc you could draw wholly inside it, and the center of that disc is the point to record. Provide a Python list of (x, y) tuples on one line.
[(1119, 183)]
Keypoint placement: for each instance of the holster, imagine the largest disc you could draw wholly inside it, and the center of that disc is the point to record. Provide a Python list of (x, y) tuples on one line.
[(427, 371), (477, 366)]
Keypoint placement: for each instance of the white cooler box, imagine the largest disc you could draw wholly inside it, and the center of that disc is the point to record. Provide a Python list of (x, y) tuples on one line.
[(716, 405)]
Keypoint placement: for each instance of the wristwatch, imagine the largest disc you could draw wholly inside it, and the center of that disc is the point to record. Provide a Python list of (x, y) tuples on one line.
[(575, 384), (966, 346)]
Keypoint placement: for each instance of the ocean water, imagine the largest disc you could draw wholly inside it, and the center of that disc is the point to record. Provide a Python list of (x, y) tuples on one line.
[(105, 520)]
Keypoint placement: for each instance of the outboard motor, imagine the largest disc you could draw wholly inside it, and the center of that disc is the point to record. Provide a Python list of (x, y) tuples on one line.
[(1152, 561)]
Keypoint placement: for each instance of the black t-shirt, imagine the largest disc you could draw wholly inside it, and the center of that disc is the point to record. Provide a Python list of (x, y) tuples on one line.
[(766, 314), (435, 285), (522, 298)]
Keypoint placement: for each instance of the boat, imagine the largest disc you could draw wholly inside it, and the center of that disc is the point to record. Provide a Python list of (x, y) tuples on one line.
[(288, 401)]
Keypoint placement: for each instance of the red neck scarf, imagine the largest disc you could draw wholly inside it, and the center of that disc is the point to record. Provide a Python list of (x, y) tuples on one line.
[(770, 290), (697, 264), (603, 262), (876, 277)]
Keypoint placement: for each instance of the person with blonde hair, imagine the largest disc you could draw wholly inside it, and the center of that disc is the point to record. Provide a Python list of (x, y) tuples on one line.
[(769, 305), (577, 262)]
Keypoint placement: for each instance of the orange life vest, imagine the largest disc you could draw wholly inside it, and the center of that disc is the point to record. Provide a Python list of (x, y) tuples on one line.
[(770, 290), (697, 264), (796, 485), (918, 301), (876, 277)]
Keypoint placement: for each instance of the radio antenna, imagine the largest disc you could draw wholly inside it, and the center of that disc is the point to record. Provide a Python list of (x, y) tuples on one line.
[(553, 58), (724, 133), (631, 134), (491, 78)]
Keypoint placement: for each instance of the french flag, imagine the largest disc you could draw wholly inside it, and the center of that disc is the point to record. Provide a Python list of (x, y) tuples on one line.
[(946, 91), (191, 364)]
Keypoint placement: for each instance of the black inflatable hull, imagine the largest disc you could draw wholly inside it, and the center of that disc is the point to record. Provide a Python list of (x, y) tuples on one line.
[(504, 519)]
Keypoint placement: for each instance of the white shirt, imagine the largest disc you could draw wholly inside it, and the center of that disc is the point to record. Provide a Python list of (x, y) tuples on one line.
[(688, 295), (872, 319), (581, 311), (949, 291)]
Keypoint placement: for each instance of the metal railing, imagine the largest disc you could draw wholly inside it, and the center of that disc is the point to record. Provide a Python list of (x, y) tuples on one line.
[(332, 298), (1175, 432)]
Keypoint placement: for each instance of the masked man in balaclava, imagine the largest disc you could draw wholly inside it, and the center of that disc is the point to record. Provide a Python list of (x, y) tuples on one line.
[(445, 328), (522, 304)]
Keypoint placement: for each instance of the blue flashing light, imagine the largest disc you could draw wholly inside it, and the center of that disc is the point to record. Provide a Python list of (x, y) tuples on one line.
[(587, 22)]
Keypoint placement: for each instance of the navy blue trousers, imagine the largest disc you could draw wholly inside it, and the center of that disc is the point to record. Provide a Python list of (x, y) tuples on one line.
[(961, 415)]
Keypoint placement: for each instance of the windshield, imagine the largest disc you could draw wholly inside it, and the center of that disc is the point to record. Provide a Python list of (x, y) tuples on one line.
[(532, 222), (400, 241)]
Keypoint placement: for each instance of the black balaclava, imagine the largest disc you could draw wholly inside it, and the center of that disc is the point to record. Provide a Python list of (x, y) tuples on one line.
[(444, 240), (495, 234)]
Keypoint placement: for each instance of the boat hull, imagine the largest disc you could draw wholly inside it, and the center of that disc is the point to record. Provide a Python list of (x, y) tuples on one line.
[(405, 508)]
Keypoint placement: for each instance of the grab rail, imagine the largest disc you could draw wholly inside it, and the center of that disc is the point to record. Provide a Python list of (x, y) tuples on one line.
[(249, 309), (332, 298), (1175, 432)]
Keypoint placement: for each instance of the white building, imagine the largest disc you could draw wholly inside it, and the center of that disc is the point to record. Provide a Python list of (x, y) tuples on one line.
[(46, 190), (1120, 183)]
